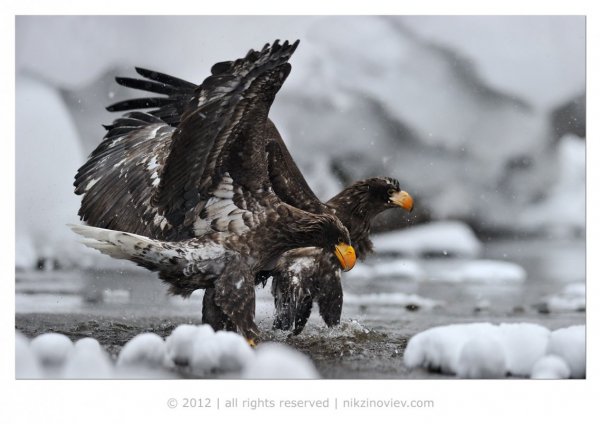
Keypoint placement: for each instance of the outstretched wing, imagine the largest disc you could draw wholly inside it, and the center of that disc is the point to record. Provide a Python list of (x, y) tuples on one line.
[(285, 177), (122, 174), (155, 172)]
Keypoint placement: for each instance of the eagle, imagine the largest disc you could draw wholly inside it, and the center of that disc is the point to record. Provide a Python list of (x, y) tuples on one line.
[(306, 275), (184, 189)]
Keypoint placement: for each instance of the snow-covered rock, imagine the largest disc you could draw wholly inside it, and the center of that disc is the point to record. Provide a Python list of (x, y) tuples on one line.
[(524, 344), (275, 361), (484, 350), (562, 212), (571, 298), (52, 349), (222, 352), (180, 342), (482, 357), (439, 348), (88, 361), (145, 350), (441, 238), (148, 356), (550, 367), (48, 153), (27, 365), (569, 344)]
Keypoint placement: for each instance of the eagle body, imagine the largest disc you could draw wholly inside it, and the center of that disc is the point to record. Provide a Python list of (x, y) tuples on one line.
[(184, 190)]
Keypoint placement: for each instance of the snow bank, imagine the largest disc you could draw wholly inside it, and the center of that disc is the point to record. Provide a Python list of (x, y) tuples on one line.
[(48, 153), (440, 238), (562, 212), (484, 350), (191, 351), (569, 344), (550, 367), (27, 365), (571, 298)]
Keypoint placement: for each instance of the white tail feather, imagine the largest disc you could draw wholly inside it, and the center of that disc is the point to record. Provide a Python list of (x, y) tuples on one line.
[(117, 244)]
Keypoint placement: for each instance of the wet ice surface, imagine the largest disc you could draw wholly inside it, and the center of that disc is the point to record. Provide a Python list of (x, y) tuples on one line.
[(382, 311)]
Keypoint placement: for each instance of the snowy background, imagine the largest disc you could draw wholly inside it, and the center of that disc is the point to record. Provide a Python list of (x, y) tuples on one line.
[(481, 119)]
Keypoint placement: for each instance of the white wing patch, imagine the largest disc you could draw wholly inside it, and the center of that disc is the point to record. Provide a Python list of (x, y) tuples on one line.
[(221, 212)]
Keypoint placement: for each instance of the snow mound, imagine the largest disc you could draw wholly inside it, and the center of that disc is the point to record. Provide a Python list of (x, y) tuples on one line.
[(569, 344), (571, 298), (190, 351), (550, 367), (146, 350), (181, 341), (441, 238), (27, 364), (562, 213), (482, 357), (484, 350), (52, 349), (224, 352), (48, 154), (276, 361), (88, 360)]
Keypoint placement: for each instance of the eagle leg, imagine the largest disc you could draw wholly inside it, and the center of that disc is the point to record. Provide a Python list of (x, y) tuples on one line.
[(234, 295), (213, 314), (330, 298), (302, 312), (284, 313)]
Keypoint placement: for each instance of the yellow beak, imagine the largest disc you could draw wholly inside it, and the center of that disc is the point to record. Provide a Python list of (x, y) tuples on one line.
[(402, 199), (346, 255)]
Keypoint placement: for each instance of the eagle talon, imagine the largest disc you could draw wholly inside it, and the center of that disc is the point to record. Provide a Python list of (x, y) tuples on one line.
[(252, 343)]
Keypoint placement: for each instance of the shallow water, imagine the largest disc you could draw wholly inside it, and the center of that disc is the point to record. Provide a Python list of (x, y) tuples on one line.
[(114, 306)]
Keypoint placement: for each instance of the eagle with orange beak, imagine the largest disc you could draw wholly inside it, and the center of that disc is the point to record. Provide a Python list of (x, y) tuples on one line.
[(304, 276)]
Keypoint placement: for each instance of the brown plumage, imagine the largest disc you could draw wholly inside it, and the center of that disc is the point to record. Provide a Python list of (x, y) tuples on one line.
[(184, 189), (304, 276)]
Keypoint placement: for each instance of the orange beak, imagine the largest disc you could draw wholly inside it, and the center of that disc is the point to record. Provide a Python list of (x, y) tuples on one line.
[(402, 199), (346, 256)]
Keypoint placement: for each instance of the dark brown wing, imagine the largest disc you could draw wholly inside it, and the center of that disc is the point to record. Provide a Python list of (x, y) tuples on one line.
[(154, 172), (121, 175), (287, 180)]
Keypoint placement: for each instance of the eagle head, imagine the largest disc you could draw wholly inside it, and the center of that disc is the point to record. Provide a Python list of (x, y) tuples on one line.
[(336, 238)]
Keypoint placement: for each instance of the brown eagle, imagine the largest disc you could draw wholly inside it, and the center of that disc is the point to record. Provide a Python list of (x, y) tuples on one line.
[(185, 190), (305, 275)]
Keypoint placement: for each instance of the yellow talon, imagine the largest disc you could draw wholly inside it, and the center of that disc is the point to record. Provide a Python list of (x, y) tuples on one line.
[(251, 342)]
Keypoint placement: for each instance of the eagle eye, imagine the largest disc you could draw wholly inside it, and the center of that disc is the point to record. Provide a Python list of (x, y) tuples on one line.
[(391, 191)]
